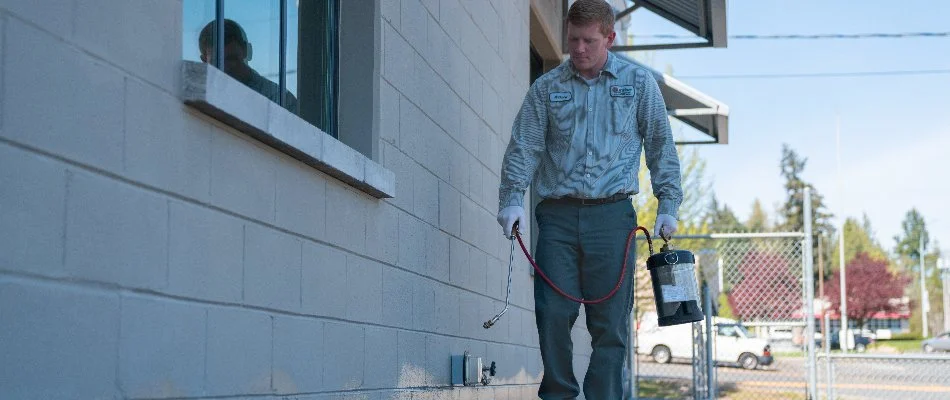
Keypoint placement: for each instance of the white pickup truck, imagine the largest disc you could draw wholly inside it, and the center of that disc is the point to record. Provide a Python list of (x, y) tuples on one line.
[(733, 343)]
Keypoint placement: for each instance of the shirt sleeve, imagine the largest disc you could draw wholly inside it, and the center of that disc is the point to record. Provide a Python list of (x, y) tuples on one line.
[(523, 154), (659, 148)]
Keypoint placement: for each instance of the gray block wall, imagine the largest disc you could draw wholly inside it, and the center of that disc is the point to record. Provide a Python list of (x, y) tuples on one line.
[(150, 251)]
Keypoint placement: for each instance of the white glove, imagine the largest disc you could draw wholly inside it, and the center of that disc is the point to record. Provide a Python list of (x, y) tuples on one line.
[(508, 216), (665, 226)]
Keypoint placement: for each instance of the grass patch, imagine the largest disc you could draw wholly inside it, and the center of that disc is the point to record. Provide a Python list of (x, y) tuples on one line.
[(682, 388), (900, 346), (761, 394), (738, 391), (664, 388), (788, 354)]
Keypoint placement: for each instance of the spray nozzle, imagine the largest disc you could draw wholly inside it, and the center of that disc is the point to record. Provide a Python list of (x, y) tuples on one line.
[(514, 231), (667, 245)]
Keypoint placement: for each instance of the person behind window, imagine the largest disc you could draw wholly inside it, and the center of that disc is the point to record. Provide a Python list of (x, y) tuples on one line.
[(238, 51)]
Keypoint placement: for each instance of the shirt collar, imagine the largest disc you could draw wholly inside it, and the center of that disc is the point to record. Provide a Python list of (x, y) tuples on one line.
[(610, 67)]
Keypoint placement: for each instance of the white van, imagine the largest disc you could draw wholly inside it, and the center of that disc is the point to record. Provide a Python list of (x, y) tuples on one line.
[(734, 344)]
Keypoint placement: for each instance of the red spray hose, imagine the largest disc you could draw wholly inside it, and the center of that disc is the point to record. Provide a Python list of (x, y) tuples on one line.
[(623, 269)]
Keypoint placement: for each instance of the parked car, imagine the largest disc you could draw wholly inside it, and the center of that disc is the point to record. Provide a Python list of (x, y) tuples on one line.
[(734, 344), (788, 337), (940, 342), (859, 341)]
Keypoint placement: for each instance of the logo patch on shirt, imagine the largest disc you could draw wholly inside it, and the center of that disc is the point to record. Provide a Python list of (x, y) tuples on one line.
[(560, 96), (621, 91)]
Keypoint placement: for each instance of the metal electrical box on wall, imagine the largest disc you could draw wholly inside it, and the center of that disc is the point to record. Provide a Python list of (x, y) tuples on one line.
[(468, 370)]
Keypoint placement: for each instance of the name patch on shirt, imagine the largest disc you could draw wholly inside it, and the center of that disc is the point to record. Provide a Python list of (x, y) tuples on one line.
[(621, 91), (560, 96)]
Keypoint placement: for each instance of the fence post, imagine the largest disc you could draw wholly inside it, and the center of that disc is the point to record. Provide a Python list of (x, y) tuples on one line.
[(809, 281), (831, 367), (827, 341), (710, 356)]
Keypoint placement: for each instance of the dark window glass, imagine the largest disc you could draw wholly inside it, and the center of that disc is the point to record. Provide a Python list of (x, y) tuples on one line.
[(312, 44), (537, 65)]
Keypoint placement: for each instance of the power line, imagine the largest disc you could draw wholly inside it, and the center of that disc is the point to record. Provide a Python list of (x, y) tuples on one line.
[(903, 35), (820, 75)]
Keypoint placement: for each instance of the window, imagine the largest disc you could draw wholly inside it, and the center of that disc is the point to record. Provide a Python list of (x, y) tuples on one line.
[(728, 331), (285, 50), (288, 51)]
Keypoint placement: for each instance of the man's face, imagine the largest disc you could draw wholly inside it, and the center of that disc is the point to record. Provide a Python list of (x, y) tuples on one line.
[(235, 54), (588, 47)]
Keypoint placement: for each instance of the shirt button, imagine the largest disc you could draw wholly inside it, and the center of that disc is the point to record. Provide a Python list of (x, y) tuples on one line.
[(590, 109), (590, 153), (588, 175)]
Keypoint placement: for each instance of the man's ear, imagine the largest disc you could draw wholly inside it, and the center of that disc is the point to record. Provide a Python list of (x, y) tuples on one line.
[(204, 58), (610, 38)]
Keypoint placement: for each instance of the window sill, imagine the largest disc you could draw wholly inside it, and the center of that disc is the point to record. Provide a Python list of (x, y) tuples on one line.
[(219, 96)]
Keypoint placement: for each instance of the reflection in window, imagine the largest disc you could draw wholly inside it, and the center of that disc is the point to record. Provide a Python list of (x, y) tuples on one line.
[(284, 50)]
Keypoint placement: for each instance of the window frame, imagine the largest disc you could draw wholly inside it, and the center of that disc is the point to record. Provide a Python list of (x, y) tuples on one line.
[(353, 155), (333, 103)]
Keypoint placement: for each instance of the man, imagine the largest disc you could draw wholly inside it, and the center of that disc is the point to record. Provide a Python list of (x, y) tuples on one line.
[(578, 136), (237, 53)]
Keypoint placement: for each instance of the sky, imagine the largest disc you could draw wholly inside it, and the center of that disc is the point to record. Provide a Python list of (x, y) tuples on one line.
[(894, 130)]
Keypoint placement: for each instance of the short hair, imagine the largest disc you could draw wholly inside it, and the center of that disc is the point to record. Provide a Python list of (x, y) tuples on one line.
[(584, 12), (232, 32)]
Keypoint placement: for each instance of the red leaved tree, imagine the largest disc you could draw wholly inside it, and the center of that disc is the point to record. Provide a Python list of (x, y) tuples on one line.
[(766, 289), (871, 288)]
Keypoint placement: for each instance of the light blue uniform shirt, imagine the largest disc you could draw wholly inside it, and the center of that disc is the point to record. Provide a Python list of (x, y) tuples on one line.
[(575, 139)]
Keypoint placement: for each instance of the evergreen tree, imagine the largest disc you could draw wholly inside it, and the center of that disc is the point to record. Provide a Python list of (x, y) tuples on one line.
[(792, 210), (722, 219), (907, 245), (859, 238), (907, 249), (758, 219)]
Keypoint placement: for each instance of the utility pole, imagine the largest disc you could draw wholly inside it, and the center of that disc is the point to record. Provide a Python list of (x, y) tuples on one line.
[(821, 271), (924, 297), (945, 273), (821, 286), (843, 335), (810, 300)]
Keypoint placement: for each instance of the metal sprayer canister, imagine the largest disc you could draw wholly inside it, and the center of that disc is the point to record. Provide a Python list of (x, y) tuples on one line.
[(673, 273)]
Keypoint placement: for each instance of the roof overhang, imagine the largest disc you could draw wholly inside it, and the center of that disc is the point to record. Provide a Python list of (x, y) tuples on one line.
[(692, 107), (704, 18)]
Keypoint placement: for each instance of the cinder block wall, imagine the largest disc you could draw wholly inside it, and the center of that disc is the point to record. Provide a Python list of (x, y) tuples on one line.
[(149, 251)]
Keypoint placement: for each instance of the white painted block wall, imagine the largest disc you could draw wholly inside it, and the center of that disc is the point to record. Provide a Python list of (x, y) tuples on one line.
[(148, 251)]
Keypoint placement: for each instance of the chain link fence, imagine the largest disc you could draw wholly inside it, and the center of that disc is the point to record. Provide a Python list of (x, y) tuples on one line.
[(761, 330), (700, 362), (759, 341), (757, 286), (873, 376)]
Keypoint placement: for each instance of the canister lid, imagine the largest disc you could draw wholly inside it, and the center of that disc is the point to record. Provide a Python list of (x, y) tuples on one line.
[(671, 257)]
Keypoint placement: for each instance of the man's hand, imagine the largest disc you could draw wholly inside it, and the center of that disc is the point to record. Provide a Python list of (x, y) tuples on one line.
[(508, 216), (665, 226)]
